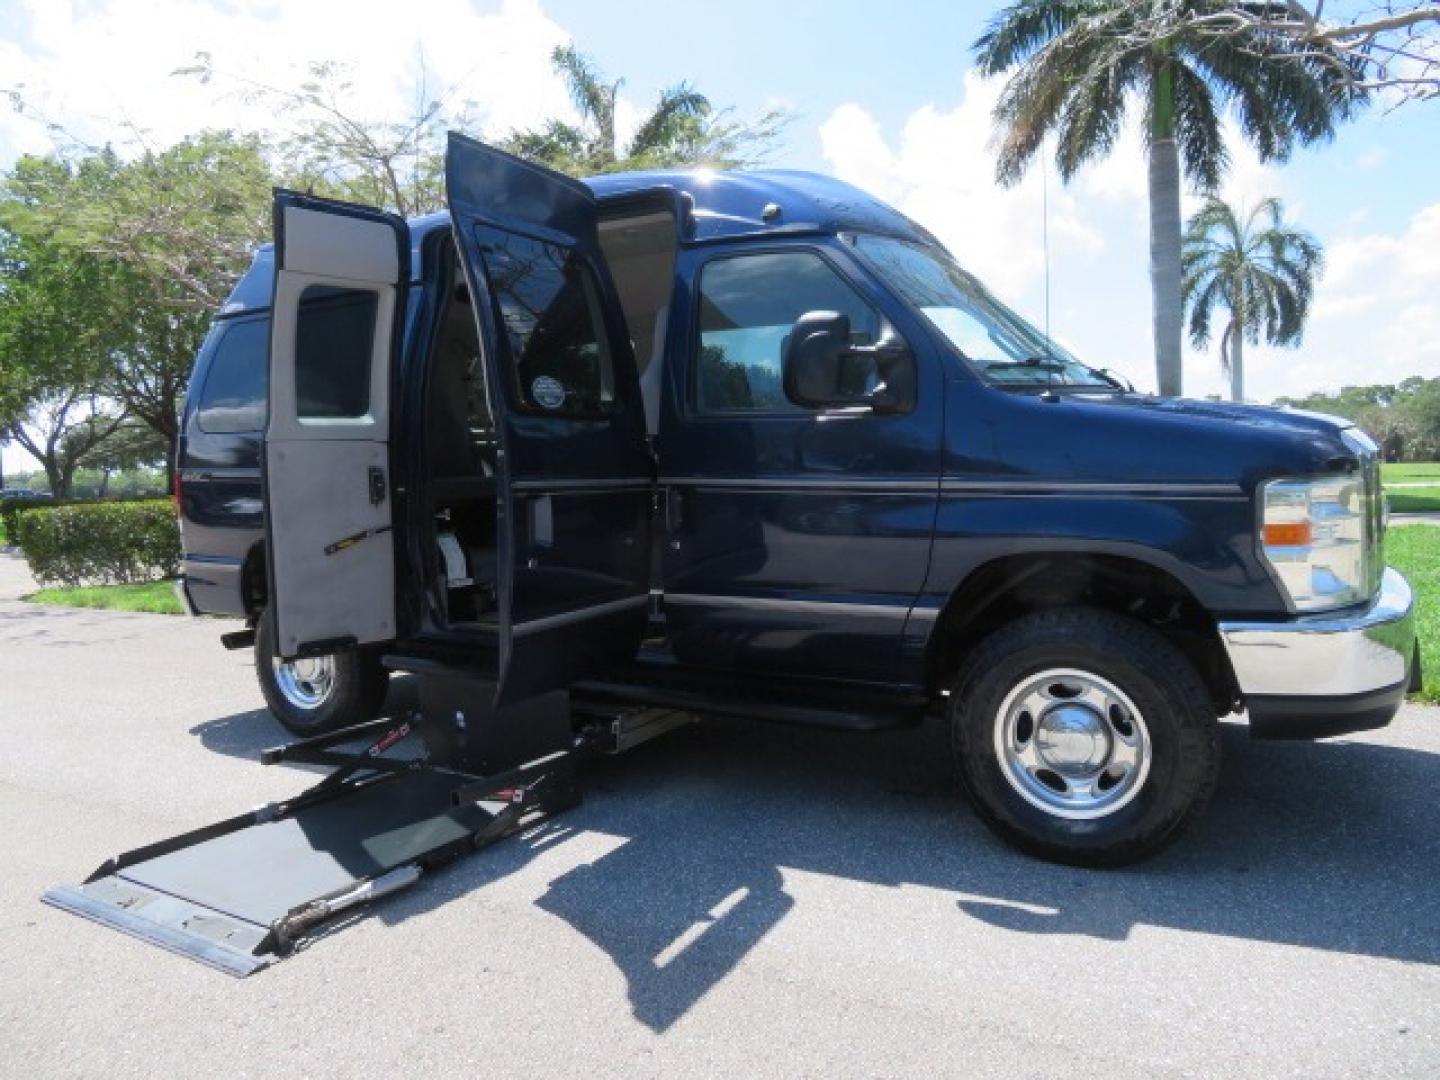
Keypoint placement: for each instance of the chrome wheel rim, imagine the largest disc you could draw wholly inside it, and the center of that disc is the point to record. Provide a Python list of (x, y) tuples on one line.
[(1072, 744), (306, 683)]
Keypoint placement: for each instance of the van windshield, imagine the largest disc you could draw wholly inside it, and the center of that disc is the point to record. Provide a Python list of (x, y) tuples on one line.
[(998, 343)]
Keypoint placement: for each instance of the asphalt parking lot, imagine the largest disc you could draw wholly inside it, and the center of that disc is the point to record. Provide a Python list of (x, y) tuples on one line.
[(733, 899)]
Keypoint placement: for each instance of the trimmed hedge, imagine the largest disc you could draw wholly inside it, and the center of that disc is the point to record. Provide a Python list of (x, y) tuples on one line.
[(10, 518), (101, 543)]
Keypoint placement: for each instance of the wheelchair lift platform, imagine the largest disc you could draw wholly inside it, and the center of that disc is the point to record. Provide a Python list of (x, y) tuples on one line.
[(239, 894)]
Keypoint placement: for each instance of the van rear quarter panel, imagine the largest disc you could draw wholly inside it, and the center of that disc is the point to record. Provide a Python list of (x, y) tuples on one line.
[(221, 507)]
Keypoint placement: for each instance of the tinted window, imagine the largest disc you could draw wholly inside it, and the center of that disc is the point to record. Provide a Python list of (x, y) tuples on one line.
[(1003, 346), (335, 335), (551, 319), (233, 397), (748, 306)]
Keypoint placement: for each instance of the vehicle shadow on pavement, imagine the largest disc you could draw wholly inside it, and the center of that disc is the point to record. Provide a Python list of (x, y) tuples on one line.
[(244, 735), (1323, 845)]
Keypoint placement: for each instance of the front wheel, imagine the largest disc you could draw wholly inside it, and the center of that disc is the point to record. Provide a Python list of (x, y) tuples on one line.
[(313, 695), (1084, 737)]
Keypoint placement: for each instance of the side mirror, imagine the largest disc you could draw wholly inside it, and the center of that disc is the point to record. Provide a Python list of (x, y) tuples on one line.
[(822, 369)]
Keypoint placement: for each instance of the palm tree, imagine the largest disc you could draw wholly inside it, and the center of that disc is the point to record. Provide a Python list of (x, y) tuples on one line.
[(1079, 64), (1259, 269), (675, 132)]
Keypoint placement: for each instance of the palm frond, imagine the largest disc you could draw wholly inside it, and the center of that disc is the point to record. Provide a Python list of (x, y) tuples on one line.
[(1198, 131), (1089, 124), (1015, 33), (586, 86), (676, 106)]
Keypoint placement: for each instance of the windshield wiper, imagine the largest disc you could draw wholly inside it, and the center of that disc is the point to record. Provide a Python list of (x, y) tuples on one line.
[(1038, 363)]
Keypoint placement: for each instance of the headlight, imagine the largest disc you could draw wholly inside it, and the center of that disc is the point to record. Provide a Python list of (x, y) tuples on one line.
[(1319, 538)]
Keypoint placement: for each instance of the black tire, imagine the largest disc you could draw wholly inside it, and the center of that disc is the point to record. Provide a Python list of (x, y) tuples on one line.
[(1178, 721), (356, 689)]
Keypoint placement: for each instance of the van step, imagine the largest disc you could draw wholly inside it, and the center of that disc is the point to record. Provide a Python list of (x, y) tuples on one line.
[(702, 695)]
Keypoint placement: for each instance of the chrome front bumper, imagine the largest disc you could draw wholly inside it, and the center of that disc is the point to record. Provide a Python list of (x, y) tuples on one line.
[(1316, 675)]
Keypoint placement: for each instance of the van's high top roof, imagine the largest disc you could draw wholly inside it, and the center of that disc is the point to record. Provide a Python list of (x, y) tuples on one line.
[(722, 205)]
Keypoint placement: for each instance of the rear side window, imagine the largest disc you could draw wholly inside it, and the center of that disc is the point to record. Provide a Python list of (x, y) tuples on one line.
[(551, 320), (335, 338), (233, 397)]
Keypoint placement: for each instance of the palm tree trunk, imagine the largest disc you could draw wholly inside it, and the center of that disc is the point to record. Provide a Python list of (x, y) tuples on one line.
[(1165, 233), (1165, 263), (1237, 366)]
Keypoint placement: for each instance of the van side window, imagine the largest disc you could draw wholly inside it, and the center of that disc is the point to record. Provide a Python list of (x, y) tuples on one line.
[(335, 336), (748, 306), (552, 323), (232, 398)]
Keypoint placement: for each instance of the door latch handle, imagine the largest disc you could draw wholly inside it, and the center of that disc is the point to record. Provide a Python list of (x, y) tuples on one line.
[(377, 485)]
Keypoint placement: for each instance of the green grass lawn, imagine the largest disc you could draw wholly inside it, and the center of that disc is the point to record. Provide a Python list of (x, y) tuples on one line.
[(1418, 500), (1411, 473), (157, 597), (1414, 550)]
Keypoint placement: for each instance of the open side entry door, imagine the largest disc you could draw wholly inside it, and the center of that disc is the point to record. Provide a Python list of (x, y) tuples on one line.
[(340, 276), (574, 475), (574, 483)]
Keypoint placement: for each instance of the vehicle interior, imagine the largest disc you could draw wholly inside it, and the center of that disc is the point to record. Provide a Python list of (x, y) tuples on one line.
[(461, 445), (460, 435), (640, 250)]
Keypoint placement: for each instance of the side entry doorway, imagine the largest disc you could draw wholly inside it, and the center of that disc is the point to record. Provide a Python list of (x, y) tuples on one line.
[(340, 276), (574, 475)]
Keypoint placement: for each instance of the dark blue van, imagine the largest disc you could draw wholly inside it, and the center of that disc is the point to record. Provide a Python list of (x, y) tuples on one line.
[(754, 444)]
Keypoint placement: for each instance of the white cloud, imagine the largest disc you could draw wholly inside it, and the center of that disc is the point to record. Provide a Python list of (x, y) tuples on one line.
[(940, 171), (1372, 158), (98, 66)]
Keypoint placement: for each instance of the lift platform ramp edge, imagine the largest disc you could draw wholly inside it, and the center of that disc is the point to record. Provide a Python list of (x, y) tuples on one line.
[(241, 893)]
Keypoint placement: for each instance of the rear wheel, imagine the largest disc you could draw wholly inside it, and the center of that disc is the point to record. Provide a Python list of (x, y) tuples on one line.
[(1084, 737), (313, 695)]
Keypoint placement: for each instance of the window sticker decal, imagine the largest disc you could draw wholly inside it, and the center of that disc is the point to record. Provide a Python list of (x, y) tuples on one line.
[(547, 392)]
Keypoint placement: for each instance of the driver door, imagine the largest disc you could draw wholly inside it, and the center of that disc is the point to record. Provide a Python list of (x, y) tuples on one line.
[(340, 277), (574, 475)]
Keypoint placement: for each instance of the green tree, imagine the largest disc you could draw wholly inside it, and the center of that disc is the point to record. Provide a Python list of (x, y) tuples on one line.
[(132, 447), (681, 129), (142, 254), (58, 339), (1077, 66), (1404, 419), (1391, 45), (1258, 269), (397, 162)]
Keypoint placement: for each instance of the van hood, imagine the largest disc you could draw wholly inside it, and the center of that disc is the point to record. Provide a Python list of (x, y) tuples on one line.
[(1295, 422), (1132, 437)]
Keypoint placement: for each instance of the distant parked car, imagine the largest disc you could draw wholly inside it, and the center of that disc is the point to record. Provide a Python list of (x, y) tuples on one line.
[(26, 495)]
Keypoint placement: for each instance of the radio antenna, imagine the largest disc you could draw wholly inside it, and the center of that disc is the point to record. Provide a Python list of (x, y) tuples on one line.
[(1045, 237)]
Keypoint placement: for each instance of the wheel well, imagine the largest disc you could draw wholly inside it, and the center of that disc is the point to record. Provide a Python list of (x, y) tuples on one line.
[(1007, 588)]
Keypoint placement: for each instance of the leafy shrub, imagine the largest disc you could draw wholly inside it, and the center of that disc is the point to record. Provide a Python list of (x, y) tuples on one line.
[(101, 542), (11, 509), (10, 519)]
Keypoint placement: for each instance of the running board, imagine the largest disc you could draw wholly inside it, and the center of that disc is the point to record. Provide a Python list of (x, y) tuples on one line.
[(244, 892)]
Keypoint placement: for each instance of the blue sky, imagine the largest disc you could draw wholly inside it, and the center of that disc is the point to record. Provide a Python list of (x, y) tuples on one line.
[(883, 96)]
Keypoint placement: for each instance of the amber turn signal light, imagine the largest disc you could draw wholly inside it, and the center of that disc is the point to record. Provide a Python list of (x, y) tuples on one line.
[(1288, 534)]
